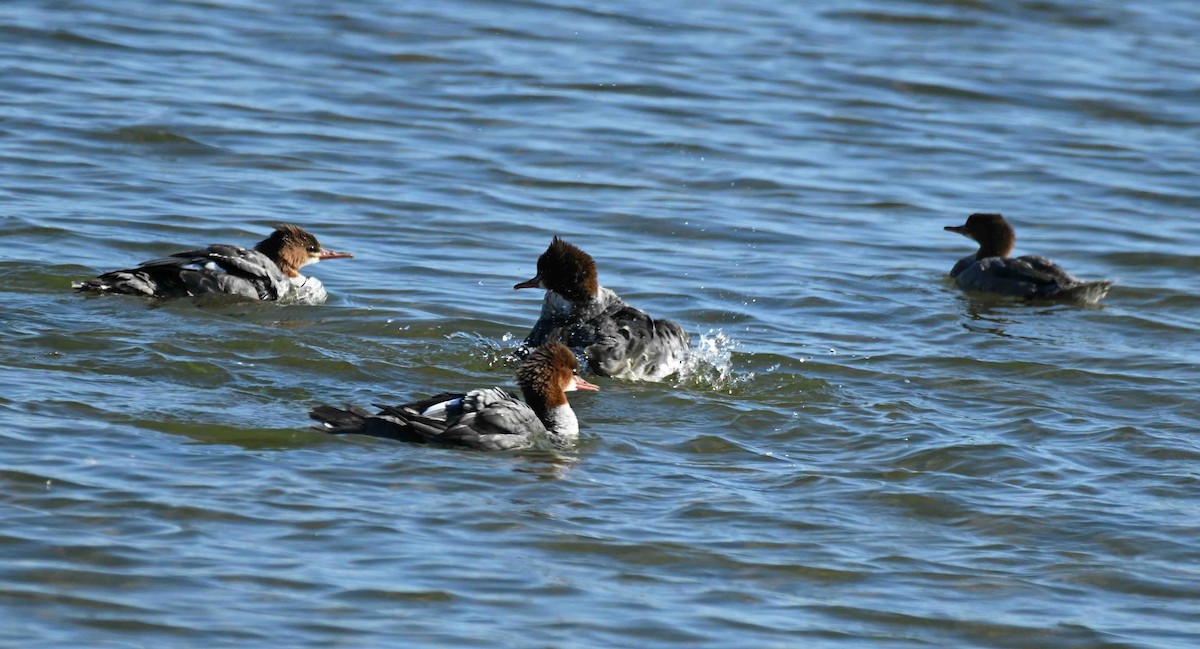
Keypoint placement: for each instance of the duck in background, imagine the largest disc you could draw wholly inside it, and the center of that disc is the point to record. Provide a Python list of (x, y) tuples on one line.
[(617, 340), (991, 269), (488, 419), (269, 271)]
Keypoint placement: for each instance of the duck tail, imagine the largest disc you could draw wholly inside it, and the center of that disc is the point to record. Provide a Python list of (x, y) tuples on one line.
[(338, 421), (389, 424), (129, 282), (1087, 292)]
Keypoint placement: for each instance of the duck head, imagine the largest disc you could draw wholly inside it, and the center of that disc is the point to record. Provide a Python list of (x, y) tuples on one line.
[(291, 248), (994, 235), (547, 374), (566, 270)]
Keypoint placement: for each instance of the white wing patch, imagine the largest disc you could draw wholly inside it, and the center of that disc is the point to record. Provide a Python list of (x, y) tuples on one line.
[(210, 266), (438, 410)]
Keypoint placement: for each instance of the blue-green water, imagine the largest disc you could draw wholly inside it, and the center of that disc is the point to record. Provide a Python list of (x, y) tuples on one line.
[(858, 456)]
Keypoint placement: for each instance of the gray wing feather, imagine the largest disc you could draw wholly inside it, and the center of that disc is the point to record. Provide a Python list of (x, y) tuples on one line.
[(629, 343), (208, 283), (490, 419), (217, 269), (616, 339), (255, 268), (1027, 276), (357, 421)]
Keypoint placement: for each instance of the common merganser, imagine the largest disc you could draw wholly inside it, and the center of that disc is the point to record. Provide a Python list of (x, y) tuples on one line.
[(1029, 276), (270, 271), (488, 419), (616, 339)]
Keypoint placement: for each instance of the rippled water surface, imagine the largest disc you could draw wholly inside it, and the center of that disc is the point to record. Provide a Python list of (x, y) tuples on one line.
[(857, 456)]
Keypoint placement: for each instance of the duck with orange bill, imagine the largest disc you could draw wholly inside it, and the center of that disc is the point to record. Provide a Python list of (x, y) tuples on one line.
[(268, 271), (487, 419)]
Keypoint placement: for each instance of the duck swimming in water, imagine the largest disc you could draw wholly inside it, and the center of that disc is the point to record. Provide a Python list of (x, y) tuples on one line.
[(269, 271), (991, 269), (488, 419), (617, 340)]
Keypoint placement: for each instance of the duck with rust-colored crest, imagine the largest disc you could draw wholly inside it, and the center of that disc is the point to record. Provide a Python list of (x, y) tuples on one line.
[(487, 419), (268, 271), (617, 340)]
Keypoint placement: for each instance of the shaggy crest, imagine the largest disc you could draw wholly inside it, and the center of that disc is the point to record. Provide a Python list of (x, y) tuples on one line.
[(569, 271), (290, 247), (543, 374)]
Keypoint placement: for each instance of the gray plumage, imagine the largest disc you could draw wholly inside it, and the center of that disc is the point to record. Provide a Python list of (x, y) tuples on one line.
[(617, 340), (991, 269), (490, 419), (268, 271), (219, 269), (1028, 276)]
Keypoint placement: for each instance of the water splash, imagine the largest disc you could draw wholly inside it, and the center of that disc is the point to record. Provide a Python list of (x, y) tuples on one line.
[(494, 352), (709, 364)]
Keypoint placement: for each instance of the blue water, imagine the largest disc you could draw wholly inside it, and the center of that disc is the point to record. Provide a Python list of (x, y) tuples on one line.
[(857, 455)]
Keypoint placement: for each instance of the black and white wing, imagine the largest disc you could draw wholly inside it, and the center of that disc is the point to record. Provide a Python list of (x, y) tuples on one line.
[(629, 344), (490, 419), (216, 270), (227, 269), (357, 421)]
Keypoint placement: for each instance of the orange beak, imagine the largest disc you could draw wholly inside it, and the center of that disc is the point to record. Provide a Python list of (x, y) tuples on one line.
[(580, 384), (530, 283), (329, 254)]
